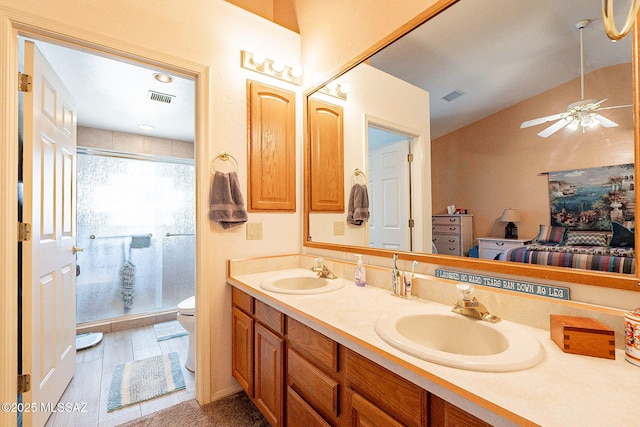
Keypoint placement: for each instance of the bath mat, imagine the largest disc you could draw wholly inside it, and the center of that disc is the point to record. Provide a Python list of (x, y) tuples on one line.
[(168, 330), (145, 379)]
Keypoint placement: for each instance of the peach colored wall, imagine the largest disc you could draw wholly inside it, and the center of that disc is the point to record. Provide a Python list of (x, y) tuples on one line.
[(492, 164), (333, 33)]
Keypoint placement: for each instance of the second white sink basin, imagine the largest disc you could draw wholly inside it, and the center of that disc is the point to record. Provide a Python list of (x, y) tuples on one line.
[(434, 333), (300, 281)]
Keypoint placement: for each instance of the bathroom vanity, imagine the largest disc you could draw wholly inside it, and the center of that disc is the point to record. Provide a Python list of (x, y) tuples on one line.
[(279, 360), (315, 359)]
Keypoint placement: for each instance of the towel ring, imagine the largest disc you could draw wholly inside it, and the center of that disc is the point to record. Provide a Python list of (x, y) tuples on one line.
[(357, 172), (224, 156)]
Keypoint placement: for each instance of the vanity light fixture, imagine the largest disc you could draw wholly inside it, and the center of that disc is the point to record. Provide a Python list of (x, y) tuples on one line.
[(145, 127), (337, 90), (257, 61)]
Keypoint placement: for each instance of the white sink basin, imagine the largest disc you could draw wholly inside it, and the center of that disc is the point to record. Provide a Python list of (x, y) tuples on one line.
[(300, 281), (434, 333)]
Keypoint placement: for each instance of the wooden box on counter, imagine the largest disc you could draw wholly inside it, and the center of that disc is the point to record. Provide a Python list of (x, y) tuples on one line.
[(582, 335)]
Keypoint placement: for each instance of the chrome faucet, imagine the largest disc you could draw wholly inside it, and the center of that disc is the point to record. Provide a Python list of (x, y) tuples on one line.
[(468, 305), (322, 270)]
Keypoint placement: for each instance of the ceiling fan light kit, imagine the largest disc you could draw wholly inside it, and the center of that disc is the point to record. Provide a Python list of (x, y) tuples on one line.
[(583, 113)]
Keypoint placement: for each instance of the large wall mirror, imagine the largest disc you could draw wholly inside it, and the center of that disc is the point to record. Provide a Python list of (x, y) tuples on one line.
[(442, 118)]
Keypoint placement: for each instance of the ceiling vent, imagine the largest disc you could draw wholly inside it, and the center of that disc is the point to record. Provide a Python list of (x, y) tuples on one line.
[(160, 97), (453, 95)]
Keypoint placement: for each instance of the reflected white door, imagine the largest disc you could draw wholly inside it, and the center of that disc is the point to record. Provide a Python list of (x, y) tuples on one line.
[(48, 259), (389, 198)]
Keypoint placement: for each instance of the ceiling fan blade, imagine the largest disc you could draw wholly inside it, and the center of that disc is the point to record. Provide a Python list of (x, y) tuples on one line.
[(605, 122), (541, 120), (615, 106), (554, 128)]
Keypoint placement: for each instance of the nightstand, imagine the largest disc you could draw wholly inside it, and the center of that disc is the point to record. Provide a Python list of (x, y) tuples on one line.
[(492, 247)]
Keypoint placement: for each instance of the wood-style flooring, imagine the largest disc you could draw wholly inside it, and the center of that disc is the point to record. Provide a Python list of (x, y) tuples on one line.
[(94, 370)]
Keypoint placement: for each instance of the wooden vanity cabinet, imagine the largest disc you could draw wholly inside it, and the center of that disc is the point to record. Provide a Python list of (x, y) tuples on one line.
[(258, 354), (297, 376)]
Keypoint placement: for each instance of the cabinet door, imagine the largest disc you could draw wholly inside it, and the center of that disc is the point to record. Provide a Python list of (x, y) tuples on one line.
[(272, 148), (269, 379), (443, 413), (299, 413), (326, 157), (393, 394), (242, 349), (362, 413)]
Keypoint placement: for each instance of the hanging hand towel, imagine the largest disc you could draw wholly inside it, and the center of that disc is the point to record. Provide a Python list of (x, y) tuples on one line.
[(227, 203), (358, 205)]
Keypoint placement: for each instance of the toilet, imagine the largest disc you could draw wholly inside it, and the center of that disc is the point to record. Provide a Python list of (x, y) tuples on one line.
[(187, 318)]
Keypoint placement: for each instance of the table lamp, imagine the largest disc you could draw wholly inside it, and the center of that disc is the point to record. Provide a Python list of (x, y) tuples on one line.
[(510, 216)]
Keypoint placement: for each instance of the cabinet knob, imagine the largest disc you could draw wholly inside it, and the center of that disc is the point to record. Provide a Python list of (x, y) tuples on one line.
[(500, 243)]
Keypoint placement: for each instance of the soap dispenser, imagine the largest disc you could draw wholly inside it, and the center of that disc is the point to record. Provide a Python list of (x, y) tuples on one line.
[(361, 275)]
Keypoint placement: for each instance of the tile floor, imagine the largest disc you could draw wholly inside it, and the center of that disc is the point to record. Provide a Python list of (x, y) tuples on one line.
[(94, 370)]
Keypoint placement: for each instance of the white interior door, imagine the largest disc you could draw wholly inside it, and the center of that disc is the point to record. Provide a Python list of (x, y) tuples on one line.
[(389, 185), (48, 259)]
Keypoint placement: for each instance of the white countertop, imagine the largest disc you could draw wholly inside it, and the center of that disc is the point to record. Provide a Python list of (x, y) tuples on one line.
[(564, 390)]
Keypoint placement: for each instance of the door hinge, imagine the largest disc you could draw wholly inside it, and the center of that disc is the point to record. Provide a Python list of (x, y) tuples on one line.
[(24, 231), (411, 223), (24, 383), (409, 158), (24, 82)]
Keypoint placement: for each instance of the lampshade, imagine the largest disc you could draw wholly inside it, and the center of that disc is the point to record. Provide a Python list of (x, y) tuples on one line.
[(510, 215)]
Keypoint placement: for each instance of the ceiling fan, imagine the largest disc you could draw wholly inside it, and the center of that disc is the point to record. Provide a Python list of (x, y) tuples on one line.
[(582, 113)]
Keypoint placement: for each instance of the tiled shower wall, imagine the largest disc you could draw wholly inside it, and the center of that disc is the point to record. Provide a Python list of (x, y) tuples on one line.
[(132, 143)]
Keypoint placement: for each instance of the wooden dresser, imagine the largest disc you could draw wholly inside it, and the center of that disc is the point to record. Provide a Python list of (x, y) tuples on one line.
[(452, 234)]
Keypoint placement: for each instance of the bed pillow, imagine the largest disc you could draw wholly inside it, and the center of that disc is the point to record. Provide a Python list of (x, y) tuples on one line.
[(586, 238), (622, 237), (550, 234)]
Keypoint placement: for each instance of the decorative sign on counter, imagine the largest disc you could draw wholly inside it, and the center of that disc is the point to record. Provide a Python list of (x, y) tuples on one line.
[(556, 292)]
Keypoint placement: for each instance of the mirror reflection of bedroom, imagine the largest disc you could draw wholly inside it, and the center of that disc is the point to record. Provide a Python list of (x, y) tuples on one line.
[(535, 140)]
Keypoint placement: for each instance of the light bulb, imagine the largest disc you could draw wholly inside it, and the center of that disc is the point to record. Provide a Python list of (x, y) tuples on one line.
[(296, 71), (277, 65), (344, 88), (258, 57)]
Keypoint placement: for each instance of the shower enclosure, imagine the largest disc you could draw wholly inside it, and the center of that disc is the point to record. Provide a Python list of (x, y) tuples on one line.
[(136, 223)]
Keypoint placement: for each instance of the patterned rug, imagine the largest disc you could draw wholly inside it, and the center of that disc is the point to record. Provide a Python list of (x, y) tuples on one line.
[(145, 379), (168, 330)]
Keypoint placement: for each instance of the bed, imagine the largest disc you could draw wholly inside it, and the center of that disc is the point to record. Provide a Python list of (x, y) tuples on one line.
[(589, 250)]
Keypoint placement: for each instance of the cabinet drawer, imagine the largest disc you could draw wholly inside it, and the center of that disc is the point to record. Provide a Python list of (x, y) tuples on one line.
[(317, 348), (491, 253), (444, 239), (270, 317), (394, 395), (446, 220), (299, 413), (446, 229), (500, 245), (242, 300), (444, 249), (315, 387)]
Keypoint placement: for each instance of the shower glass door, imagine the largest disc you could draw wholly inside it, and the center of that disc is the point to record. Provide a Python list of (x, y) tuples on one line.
[(136, 223)]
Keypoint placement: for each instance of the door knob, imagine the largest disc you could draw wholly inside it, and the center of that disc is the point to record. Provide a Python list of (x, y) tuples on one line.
[(76, 249)]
